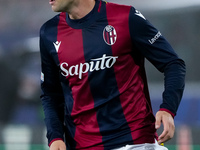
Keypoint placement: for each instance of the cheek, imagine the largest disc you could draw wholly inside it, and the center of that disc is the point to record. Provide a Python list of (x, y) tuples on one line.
[(58, 7)]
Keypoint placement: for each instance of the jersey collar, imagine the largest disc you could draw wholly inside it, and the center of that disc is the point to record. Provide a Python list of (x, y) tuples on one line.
[(87, 20)]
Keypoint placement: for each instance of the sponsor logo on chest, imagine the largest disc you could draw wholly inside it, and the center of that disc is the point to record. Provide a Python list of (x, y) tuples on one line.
[(97, 64)]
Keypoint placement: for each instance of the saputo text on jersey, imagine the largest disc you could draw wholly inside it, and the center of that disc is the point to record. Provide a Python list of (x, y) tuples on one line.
[(94, 65)]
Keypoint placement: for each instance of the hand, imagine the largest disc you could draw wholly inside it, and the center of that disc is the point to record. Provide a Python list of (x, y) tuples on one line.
[(58, 145), (168, 124)]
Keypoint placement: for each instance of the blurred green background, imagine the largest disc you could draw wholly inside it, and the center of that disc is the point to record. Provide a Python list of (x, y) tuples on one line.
[(21, 115)]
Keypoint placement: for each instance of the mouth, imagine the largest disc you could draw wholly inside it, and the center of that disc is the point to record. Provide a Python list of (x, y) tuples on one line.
[(51, 2)]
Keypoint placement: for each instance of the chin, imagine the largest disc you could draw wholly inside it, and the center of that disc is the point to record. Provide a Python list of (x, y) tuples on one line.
[(56, 10)]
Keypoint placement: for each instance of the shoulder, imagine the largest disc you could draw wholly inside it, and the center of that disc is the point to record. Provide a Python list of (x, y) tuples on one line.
[(51, 23), (118, 8), (118, 11)]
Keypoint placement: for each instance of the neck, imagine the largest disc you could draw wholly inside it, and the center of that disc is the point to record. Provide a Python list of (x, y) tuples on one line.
[(81, 8)]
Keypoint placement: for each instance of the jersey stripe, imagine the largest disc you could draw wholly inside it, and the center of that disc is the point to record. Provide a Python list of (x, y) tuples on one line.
[(111, 13), (70, 126), (84, 116), (133, 96)]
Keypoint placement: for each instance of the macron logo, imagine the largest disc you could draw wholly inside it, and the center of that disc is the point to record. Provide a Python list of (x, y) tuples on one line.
[(57, 45), (139, 14)]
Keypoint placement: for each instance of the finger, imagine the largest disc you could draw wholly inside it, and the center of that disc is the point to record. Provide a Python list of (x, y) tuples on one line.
[(167, 133), (158, 121), (163, 137), (166, 127), (161, 141)]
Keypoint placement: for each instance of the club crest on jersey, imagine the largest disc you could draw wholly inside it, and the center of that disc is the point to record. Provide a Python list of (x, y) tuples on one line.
[(109, 35)]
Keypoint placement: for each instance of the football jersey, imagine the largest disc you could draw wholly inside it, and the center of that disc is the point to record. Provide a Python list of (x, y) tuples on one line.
[(94, 89)]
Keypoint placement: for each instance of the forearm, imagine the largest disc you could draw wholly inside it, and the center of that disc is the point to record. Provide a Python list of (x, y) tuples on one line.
[(174, 74), (54, 114)]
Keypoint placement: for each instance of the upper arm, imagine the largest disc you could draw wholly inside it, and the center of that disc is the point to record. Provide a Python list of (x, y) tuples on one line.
[(50, 83), (149, 41)]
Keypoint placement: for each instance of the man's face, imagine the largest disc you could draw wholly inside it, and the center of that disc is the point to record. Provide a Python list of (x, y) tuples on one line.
[(61, 5)]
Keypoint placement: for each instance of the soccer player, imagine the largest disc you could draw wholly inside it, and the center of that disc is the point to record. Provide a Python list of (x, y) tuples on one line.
[(94, 89)]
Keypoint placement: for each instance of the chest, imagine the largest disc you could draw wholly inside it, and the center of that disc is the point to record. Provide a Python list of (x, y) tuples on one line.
[(99, 46), (76, 46)]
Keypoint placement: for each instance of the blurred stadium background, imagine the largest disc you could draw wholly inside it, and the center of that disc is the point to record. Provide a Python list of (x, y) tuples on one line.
[(21, 116)]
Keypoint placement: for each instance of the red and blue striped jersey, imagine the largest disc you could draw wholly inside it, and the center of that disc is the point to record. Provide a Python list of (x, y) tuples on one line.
[(94, 87)]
